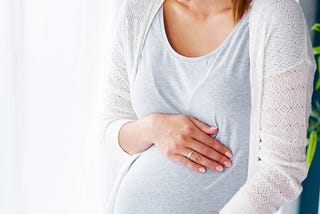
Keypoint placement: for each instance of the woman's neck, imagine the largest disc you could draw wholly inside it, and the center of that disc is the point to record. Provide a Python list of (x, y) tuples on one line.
[(206, 8)]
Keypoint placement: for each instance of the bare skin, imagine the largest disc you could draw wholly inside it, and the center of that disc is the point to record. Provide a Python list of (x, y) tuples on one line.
[(197, 27), (193, 28)]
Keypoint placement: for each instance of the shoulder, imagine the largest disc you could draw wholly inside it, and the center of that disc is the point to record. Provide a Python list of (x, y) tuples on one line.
[(134, 14), (278, 11), (286, 35), (132, 18), (136, 9), (275, 3)]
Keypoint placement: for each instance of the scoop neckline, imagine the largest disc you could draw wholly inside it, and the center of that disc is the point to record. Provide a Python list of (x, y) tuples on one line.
[(201, 57)]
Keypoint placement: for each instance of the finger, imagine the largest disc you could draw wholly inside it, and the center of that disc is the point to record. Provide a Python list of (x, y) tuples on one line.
[(212, 142), (203, 126), (202, 160), (210, 153), (188, 163)]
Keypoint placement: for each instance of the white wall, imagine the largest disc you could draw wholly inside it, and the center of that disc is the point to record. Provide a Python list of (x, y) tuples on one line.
[(53, 57)]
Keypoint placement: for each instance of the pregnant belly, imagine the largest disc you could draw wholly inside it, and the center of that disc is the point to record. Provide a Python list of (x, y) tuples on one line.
[(156, 184)]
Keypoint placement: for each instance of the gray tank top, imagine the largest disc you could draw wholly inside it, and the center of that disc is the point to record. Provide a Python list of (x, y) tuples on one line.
[(215, 89)]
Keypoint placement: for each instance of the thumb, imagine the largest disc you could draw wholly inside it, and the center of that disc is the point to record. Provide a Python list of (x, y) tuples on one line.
[(203, 126)]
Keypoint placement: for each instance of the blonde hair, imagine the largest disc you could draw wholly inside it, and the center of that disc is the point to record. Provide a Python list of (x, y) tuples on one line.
[(239, 7)]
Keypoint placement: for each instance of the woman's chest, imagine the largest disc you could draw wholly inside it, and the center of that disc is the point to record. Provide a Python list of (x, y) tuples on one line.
[(217, 82), (163, 83)]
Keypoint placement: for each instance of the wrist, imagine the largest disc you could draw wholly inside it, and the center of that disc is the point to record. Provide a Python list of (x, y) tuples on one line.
[(147, 124)]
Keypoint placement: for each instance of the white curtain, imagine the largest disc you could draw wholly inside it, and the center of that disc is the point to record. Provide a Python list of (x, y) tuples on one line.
[(53, 60)]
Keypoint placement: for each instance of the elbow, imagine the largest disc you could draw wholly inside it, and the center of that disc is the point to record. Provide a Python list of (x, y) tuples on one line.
[(103, 124), (101, 131), (295, 178), (304, 170)]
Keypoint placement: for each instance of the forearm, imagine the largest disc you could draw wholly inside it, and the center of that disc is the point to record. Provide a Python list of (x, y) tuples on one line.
[(282, 166), (134, 136), (273, 185)]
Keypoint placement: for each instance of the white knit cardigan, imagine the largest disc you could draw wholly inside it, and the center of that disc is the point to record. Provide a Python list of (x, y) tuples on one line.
[(282, 68)]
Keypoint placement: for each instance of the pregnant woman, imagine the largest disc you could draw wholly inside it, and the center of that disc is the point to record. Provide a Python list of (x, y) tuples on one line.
[(208, 100)]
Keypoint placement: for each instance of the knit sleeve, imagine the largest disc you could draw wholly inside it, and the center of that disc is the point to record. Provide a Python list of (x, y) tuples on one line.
[(286, 104), (117, 105)]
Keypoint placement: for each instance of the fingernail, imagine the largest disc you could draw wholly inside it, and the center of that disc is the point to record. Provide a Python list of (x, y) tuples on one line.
[(202, 169), (227, 163), (229, 154), (213, 128), (219, 168)]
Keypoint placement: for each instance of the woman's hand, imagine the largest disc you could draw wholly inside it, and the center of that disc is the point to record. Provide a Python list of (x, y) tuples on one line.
[(177, 135)]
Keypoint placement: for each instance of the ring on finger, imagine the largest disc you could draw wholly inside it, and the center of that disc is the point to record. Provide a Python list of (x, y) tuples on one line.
[(190, 153)]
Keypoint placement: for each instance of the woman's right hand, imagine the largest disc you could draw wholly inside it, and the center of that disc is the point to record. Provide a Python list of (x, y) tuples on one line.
[(176, 135)]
